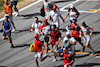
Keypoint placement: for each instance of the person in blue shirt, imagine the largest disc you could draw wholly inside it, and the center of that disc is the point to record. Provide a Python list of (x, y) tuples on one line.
[(6, 25)]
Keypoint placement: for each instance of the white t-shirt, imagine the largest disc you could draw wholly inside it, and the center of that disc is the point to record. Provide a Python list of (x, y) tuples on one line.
[(55, 16), (72, 15), (45, 30), (36, 27), (72, 39)]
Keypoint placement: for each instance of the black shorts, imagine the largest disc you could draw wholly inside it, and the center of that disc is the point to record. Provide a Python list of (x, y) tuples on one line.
[(14, 3), (7, 34), (78, 39), (46, 39)]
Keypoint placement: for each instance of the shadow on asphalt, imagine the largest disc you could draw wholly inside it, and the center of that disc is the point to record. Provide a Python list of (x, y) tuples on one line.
[(88, 65), (96, 32), (28, 16), (61, 1), (21, 45), (3, 66), (59, 66)]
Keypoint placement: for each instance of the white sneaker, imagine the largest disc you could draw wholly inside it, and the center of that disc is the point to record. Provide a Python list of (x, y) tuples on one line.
[(13, 30), (17, 13), (44, 55), (54, 60)]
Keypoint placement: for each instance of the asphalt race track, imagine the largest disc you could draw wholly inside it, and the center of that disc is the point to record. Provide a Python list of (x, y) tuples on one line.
[(22, 57)]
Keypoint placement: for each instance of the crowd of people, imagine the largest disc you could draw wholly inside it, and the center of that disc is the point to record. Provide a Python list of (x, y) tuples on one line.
[(51, 32)]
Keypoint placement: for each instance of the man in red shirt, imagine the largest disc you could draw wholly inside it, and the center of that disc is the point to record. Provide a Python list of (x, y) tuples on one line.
[(55, 38), (67, 57), (76, 32), (39, 50)]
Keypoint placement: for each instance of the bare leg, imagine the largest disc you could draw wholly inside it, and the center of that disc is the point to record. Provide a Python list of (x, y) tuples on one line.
[(46, 48), (88, 45), (36, 62)]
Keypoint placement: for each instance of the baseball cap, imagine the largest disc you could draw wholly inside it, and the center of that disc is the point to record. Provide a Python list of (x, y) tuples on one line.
[(45, 20), (36, 35), (71, 6), (54, 7), (82, 21)]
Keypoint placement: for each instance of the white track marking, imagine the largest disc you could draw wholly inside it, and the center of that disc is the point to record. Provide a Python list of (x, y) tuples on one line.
[(82, 11), (25, 8)]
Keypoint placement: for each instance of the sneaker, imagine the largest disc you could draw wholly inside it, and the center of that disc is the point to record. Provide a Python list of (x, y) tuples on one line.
[(93, 52), (83, 49), (13, 30), (12, 46), (54, 60), (17, 13)]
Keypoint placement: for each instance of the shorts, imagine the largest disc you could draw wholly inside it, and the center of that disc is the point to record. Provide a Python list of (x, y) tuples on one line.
[(46, 39), (7, 34), (78, 39), (10, 17), (86, 38), (57, 24), (38, 55), (67, 65), (54, 47), (14, 3)]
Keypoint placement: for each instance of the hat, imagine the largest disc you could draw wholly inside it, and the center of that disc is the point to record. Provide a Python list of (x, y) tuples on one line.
[(36, 35), (54, 7), (65, 49), (45, 20), (82, 21), (67, 33), (71, 6)]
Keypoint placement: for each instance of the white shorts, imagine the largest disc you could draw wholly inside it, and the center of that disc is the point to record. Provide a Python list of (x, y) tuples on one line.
[(38, 55), (67, 65), (57, 24)]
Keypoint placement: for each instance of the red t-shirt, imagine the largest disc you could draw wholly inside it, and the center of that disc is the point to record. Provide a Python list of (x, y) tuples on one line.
[(54, 36), (41, 26), (38, 44), (75, 33), (67, 60)]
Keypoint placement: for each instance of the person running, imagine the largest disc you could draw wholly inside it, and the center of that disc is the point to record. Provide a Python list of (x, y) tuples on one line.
[(45, 32), (7, 30), (39, 50), (67, 57), (54, 14), (14, 4), (73, 13), (47, 7), (35, 26), (76, 32), (87, 34), (55, 38), (8, 12), (69, 42)]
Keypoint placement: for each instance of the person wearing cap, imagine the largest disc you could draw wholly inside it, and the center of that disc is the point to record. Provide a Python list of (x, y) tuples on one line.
[(47, 7), (6, 26), (35, 26), (67, 57), (73, 13), (39, 50), (54, 14), (55, 38), (45, 32), (87, 33), (76, 32)]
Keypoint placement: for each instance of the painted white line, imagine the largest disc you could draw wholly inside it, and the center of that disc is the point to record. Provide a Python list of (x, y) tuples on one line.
[(82, 11), (97, 57), (69, 4), (24, 8)]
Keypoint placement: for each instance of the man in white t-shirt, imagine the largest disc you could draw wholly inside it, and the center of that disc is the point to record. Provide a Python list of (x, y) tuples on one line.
[(35, 26), (54, 14), (69, 42)]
